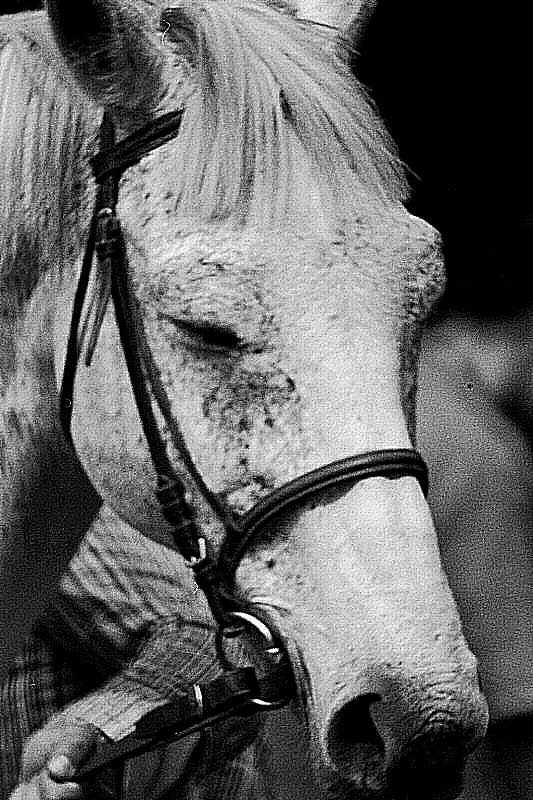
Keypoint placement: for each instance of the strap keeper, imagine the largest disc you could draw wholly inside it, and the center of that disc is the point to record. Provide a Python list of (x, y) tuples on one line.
[(201, 558), (107, 234), (170, 492)]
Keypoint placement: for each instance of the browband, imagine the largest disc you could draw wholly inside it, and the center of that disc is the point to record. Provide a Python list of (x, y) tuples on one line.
[(117, 158)]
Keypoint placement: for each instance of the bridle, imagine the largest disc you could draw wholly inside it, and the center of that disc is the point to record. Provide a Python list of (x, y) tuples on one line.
[(215, 576), (237, 691)]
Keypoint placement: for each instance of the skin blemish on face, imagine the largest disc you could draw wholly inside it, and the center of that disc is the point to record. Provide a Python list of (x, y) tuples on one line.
[(285, 107)]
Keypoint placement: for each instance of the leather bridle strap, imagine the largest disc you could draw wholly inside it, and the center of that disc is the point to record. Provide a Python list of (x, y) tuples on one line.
[(106, 198), (393, 463), (105, 236), (232, 694)]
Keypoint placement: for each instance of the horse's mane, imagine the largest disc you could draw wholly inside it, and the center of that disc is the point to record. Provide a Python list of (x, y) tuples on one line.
[(266, 78), (44, 141)]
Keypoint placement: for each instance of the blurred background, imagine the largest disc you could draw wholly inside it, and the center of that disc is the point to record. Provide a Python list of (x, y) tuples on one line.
[(452, 84)]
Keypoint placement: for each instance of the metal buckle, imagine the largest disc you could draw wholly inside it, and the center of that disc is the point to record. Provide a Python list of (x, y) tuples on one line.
[(269, 647), (195, 561)]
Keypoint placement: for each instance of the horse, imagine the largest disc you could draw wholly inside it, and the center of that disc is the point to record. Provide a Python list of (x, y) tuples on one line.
[(280, 286)]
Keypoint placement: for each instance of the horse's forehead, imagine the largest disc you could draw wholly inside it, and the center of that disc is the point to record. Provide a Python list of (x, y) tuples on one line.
[(223, 269)]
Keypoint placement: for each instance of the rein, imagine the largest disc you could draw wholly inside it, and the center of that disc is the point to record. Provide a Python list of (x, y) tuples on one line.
[(238, 691)]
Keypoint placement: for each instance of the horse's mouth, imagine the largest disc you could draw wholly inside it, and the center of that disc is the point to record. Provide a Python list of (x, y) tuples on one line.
[(340, 789)]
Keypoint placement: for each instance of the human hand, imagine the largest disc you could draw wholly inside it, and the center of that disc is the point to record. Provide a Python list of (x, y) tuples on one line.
[(50, 758)]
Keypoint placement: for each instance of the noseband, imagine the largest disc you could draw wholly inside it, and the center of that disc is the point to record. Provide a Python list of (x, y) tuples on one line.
[(215, 576)]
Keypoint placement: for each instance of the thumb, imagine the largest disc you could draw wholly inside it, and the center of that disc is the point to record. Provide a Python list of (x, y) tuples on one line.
[(61, 767), (59, 746)]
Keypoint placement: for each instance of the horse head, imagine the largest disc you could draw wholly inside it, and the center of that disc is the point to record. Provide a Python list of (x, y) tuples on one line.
[(282, 287)]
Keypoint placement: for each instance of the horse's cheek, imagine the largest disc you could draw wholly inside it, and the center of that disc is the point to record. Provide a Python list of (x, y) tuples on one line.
[(108, 437)]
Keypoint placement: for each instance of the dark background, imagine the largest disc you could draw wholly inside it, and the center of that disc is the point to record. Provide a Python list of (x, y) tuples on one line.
[(10, 6), (452, 82)]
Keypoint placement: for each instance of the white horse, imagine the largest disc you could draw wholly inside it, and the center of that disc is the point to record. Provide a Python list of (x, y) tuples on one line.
[(283, 286)]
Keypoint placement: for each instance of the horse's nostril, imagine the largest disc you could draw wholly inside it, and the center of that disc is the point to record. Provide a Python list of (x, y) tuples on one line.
[(353, 741), (369, 752), (431, 766)]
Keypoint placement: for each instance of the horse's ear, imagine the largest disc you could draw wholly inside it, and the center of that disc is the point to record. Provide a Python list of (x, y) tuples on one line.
[(355, 25), (355, 31), (109, 49)]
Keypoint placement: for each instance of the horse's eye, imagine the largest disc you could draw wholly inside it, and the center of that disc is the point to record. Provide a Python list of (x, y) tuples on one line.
[(215, 337)]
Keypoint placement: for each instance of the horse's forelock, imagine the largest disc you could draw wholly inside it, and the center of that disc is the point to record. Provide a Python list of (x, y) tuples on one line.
[(263, 78)]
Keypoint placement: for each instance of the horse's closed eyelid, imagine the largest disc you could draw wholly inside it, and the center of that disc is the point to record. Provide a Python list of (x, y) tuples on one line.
[(210, 334)]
